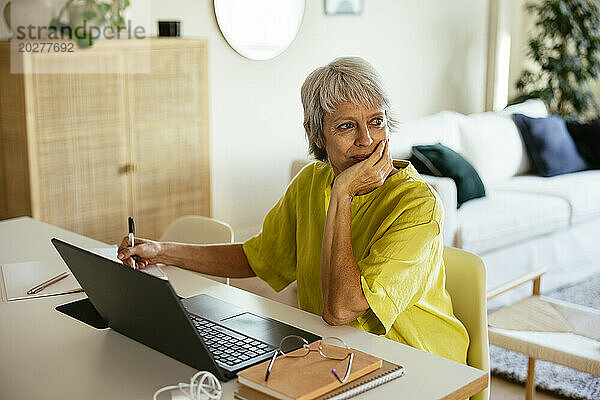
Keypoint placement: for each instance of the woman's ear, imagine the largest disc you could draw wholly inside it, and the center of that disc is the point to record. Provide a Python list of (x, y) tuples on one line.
[(310, 136), (319, 143)]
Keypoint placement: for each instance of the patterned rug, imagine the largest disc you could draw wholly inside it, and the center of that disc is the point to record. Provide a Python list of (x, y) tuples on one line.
[(553, 378)]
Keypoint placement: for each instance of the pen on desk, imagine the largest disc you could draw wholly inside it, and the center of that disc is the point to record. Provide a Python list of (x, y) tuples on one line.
[(131, 238), (43, 285)]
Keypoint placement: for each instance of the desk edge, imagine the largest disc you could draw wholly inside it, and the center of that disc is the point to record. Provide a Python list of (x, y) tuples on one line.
[(470, 389)]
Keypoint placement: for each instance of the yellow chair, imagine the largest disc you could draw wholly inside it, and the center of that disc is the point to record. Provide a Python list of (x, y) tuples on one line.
[(199, 230), (465, 281)]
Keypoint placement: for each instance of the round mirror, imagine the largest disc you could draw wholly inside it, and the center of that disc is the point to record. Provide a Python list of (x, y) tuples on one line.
[(259, 29)]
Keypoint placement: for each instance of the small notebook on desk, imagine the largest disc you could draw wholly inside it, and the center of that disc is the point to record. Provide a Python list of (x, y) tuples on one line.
[(388, 372), (305, 378), (20, 277)]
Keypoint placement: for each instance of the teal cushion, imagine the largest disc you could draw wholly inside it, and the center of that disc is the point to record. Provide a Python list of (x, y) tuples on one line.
[(439, 160)]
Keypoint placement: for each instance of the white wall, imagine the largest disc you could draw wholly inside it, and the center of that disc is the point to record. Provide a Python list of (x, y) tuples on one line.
[(431, 54), (521, 23)]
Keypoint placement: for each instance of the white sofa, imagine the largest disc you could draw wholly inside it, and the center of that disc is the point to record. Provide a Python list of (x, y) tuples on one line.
[(525, 221)]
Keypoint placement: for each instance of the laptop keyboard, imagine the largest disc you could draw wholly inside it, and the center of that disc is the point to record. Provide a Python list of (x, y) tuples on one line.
[(228, 347)]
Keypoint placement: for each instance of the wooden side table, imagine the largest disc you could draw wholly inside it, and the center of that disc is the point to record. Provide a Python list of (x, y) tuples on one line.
[(546, 329)]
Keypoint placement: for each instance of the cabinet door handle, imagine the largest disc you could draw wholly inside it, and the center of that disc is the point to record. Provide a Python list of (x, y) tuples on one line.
[(127, 168)]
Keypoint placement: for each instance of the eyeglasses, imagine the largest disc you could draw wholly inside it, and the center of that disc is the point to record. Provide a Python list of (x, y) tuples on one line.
[(332, 348)]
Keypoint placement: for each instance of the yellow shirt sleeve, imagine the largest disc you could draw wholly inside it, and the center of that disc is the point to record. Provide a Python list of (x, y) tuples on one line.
[(394, 275), (272, 252)]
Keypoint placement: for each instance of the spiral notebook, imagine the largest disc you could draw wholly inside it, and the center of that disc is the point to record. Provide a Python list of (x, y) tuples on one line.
[(388, 372)]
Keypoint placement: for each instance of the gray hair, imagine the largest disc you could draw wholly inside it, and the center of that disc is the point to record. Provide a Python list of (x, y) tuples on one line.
[(344, 79)]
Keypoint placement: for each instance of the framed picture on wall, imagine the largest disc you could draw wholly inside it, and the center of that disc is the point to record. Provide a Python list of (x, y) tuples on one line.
[(343, 7)]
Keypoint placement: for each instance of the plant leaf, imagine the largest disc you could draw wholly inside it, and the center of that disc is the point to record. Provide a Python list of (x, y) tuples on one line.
[(89, 14)]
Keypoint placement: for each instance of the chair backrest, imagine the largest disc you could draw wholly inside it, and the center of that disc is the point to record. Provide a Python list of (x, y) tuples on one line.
[(199, 230), (466, 284)]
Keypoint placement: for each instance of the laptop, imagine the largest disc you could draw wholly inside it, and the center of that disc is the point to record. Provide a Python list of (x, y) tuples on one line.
[(203, 332)]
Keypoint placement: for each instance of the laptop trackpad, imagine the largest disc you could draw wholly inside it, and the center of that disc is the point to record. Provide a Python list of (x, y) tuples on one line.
[(258, 327)]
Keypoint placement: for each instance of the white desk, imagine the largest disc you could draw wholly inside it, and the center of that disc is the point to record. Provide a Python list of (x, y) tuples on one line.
[(47, 355)]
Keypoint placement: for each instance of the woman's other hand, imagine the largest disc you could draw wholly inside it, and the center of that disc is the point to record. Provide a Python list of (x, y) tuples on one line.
[(366, 175), (139, 256)]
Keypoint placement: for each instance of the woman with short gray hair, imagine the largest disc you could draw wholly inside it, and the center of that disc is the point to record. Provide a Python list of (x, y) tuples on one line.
[(360, 233), (321, 92)]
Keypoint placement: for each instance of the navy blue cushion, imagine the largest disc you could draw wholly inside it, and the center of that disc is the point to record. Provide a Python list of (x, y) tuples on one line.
[(550, 147), (587, 140)]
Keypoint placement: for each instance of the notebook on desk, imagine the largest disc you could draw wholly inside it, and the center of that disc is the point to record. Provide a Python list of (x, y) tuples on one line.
[(388, 372), (309, 377), (20, 277)]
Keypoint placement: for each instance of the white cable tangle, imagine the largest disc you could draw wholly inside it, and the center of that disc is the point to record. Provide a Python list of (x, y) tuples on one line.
[(203, 386)]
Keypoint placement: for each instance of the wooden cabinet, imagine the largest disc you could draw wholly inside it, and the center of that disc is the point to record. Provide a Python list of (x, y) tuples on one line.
[(83, 150)]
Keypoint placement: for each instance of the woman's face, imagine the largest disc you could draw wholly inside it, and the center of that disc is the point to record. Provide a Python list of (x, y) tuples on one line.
[(352, 132)]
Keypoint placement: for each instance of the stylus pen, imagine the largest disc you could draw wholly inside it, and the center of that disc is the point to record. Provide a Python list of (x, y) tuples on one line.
[(131, 233), (43, 285)]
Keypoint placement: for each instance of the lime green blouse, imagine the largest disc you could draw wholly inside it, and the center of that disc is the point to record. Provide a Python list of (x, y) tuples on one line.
[(397, 243)]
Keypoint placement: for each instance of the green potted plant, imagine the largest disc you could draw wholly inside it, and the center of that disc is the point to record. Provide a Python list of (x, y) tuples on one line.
[(564, 49), (77, 16)]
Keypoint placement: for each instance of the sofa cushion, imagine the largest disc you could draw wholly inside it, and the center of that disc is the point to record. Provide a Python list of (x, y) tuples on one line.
[(550, 147), (441, 127), (439, 160), (534, 108), (502, 218), (493, 144), (580, 189), (587, 141)]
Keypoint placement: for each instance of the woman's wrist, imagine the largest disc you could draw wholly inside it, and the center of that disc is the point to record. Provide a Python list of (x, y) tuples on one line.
[(340, 192), (162, 252)]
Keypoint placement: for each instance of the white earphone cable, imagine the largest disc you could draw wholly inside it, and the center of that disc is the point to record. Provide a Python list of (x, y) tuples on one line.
[(203, 386)]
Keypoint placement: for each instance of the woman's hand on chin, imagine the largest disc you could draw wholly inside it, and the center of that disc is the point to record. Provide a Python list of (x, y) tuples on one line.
[(366, 175)]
